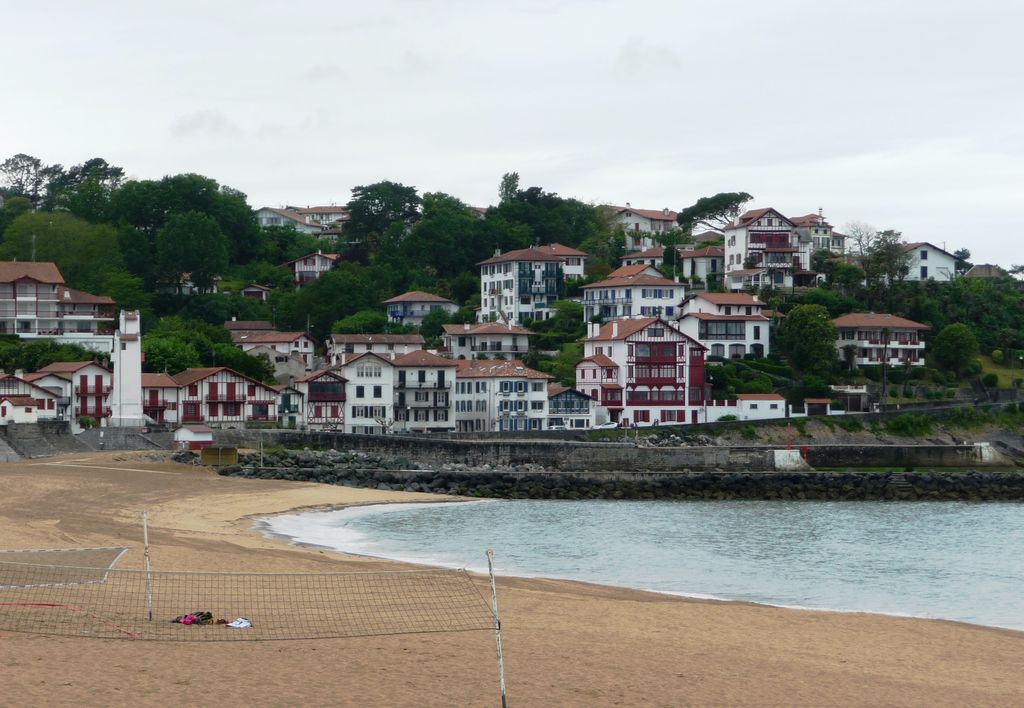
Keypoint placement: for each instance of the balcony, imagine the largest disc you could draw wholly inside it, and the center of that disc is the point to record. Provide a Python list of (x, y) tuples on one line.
[(259, 418), (104, 413), (326, 396), (290, 409), (196, 417), (656, 380), (217, 397), (656, 359), (92, 390), (425, 385), (484, 348), (154, 405)]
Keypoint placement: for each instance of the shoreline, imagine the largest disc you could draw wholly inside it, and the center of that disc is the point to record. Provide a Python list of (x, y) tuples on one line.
[(567, 642), (261, 527)]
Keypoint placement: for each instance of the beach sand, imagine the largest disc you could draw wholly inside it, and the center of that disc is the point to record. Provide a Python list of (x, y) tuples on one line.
[(566, 643)]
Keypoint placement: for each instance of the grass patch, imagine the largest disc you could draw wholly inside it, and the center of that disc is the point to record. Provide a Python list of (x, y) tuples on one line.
[(910, 426), (748, 432), (1005, 374)]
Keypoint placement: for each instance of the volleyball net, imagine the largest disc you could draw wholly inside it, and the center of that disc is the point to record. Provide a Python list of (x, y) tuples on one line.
[(78, 592)]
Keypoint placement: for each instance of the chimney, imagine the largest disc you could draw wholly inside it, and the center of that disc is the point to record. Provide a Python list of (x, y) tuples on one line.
[(234, 319), (497, 252), (465, 326), (628, 205), (615, 329), (665, 211)]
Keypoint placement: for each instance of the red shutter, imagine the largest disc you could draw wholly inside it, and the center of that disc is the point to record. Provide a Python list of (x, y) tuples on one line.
[(231, 391), (212, 391)]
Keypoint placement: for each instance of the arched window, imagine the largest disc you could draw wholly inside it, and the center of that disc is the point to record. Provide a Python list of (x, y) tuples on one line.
[(718, 350)]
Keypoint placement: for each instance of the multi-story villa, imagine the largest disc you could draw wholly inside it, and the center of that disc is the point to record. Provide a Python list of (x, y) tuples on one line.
[(632, 296), (35, 304), (370, 393), (728, 324), (569, 409), (222, 397), (342, 346), (520, 285), (500, 395), (489, 340), (424, 393), (639, 225), (652, 256), (875, 338), (312, 266), (318, 400), (574, 261), (410, 308), (702, 265)]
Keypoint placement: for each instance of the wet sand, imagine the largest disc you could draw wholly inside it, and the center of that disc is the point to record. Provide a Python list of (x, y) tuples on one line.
[(566, 643)]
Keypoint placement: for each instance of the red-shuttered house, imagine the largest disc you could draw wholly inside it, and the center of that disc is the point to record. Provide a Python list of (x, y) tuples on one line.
[(160, 398), (644, 371), (323, 399), (221, 397), (88, 389), (44, 401)]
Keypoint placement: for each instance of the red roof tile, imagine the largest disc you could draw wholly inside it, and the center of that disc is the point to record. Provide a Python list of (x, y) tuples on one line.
[(314, 375), (377, 339), (484, 328), (706, 252), (40, 271), (422, 358), (876, 320), (561, 250), (656, 252), (522, 254), (628, 280), (655, 214), (599, 359), (510, 368), (730, 299), (68, 367), (418, 296), (158, 381)]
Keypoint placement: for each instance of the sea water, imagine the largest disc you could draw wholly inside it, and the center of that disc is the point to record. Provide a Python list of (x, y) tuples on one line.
[(949, 560)]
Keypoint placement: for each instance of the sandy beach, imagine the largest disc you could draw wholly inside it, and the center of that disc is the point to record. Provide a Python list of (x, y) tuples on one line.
[(566, 643)]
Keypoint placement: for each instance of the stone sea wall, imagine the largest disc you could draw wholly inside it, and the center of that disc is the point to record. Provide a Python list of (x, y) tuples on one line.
[(532, 481)]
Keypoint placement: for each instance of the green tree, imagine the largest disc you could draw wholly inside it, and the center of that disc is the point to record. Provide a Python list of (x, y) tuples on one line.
[(127, 290), (192, 243), (255, 367), (169, 355), (374, 207), (955, 347), (365, 322), (433, 323), (509, 187), (23, 176), (963, 260), (563, 365), (809, 340), (12, 209), (714, 212)]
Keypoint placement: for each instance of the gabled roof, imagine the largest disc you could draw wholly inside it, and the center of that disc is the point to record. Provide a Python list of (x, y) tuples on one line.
[(730, 299), (191, 376), (759, 397), (257, 286), (68, 367), (627, 280), (809, 220), (599, 359), (522, 254), (78, 297), (40, 271), (484, 328), (314, 375), (333, 209), (707, 316), (377, 339), (422, 358), (510, 368), (556, 389), (753, 215), (624, 329), (632, 270), (290, 214), (158, 381), (248, 325), (656, 252), (18, 399), (876, 320), (908, 247), (363, 355), (418, 296), (262, 337), (706, 252), (28, 382), (656, 214), (562, 250), (328, 256)]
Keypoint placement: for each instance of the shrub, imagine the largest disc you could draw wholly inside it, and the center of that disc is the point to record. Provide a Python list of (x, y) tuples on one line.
[(727, 418), (909, 425), (849, 424), (87, 421), (997, 356), (974, 367), (748, 432), (990, 379)]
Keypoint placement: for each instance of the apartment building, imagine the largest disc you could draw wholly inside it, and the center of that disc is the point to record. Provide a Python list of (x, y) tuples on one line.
[(731, 325), (487, 340), (500, 396), (874, 338), (520, 285)]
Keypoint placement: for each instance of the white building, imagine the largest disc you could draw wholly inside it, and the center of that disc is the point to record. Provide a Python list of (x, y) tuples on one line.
[(160, 398), (410, 308), (702, 265), (632, 296), (928, 262), (88, 389), (221, 397), (644, 371), (369, 393), (311, 266), (814, 230), (281, 344), (639, 225), (268, 216), (35, 304), (17, 409), (424, 393), (126, 382), (728, 324), (519, 285), (255, 291), (490, 340), (569, 409), (760, 406), (653, 257), (879, 337), (44, 401), (500, 396), (574, 261), (340, 346)]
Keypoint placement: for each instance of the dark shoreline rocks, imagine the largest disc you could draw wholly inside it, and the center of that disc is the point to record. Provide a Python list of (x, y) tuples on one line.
[(359, 469)]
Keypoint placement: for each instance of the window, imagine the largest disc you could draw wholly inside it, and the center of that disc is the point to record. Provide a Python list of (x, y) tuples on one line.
[(757, 331), (924, 272), (536, 386), (377, 392), (360, 391), (753, 406), (924, 255)]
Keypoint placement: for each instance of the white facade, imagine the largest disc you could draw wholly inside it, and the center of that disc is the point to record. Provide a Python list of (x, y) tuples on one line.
[(638, 225), (296, 344), (424, 393), (267, 216), (369, 394), (126, 359), (653, 257), (574, 261), (500, 396), (312, 266), (876, 338), (569, 409), (88, 389), (410, 308), (704, 264), (728, 324), (343, 346), (160, 398), (632, 296), (44, 401), (760, 406), (491, 340), (762, 240), (928, 262), (17, 409), (220, 397), (519, 285)]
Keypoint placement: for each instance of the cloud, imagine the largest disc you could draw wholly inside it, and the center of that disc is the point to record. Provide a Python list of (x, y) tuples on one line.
[(204, 123)]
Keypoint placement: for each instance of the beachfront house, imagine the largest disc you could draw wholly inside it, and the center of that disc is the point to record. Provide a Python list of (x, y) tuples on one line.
[(500, 396), (44, 402), (315, 401), (222, 397), (424, 393), (160, 398), (369, 393), (88, 388), (569, 409)]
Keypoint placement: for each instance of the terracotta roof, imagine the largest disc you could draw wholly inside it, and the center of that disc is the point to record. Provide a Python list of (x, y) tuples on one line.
[(706, 252), (41, 271), (625, 328), (656, 214), (320, 210), (656, 252), (158, 381), (351, 359), (908, 247), (626, 280), (730, 299), (26, 380), (262, 337), (599, 359), (68, 367), (243, 325), (328, 256), (422, 358), (18, 400), (708, 236), (630, 270), (745, 271), (313, 375), (808, 220), (484, 328), (876, 320), (191, 376), (817, 400), (418, 296), (560, 249), (522, 254), (377, 339), (36, 375), (65, 294), (753, 215), (759, 397), (556, 388), (511, 368)]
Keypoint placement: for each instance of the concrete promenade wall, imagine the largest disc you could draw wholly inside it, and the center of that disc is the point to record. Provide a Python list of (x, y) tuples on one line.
[(566, 456)]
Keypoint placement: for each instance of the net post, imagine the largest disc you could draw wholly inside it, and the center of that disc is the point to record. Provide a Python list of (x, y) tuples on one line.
[(497, 627), (149, 568)]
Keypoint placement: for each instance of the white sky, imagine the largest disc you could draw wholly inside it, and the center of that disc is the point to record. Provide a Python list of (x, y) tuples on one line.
[(905, 115)]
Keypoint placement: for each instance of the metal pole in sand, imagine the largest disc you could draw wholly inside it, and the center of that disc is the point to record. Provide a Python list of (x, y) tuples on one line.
[(149, 568), (497, 627)]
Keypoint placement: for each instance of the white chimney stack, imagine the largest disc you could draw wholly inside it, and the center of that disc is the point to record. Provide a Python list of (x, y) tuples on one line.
[(615, 329)]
